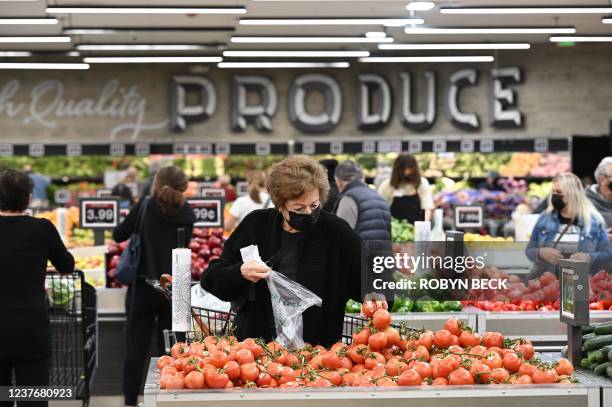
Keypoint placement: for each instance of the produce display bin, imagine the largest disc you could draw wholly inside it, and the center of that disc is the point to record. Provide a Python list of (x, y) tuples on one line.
[(544, 329), (585, 394)]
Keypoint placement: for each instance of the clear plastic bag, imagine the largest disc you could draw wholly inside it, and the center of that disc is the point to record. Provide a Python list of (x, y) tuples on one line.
[(289, 301)]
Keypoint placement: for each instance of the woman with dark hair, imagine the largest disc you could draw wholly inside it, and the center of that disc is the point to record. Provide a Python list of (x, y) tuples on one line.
[(257, 198), (26, 244), (408, 193), (162, 215)]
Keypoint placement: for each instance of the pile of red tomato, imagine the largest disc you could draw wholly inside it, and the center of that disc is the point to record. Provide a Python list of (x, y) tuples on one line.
[(539, 294), (379, 356)]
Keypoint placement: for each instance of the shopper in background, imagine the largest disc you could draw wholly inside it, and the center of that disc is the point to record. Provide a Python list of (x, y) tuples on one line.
[(383, 172), (41, 184), (225, 182), (570, 227), (600, 194), (154, 166), (407, 192), (124, 189), (26, 244), (299, 240), (330, 165), (491, 182), (257, 198), (361, 206), (163, 214)]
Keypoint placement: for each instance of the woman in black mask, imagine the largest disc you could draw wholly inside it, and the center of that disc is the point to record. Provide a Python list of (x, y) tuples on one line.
[(571, 227), (301, 241)]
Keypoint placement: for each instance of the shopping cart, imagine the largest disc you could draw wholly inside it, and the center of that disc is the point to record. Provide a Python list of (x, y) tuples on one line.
[(72, 305)]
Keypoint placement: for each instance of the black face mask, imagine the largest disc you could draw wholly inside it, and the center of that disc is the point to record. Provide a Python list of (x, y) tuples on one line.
[(557, 202), (610, 186), (304, 222)]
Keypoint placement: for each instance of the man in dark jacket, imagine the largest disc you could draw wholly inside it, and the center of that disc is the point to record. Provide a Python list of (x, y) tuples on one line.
[(361, 206), (600, 194)]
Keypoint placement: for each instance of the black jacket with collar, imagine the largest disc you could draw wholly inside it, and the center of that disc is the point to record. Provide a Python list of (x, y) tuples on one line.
[(329, 264)]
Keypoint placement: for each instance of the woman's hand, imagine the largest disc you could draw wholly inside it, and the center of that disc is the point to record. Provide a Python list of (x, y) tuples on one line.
[(253, 271), (550, 255), (580, 256)]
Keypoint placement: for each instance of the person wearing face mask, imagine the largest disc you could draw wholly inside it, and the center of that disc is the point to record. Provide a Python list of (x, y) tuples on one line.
[(569, 228), (600, 193), (408, 194), (298, 239)]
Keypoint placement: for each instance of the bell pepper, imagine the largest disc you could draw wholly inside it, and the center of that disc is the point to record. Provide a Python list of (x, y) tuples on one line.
[(451, 306)]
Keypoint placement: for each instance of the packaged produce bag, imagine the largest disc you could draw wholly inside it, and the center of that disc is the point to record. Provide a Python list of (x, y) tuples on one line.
[(289, 301)]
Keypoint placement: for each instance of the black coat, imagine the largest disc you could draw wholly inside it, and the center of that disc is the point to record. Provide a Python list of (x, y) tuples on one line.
[(329, 264), (158, 237)]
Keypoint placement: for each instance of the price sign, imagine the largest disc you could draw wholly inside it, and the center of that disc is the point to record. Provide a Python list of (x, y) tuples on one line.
[(36, 150), (384, 147), (468, 216), (486, 146), (74, 150), (242, 188), (368, 147), (142, 149), (336, 147), (574, 292), (263, 148), (439, 146), (467, 146), (102, 193), (98, 213), (308, 147), (540, 145), (205, 148), (117, 149), (62, 196), (180, 149), (415, 146), (208, 211), (213, 192), (6, 150), (222, 148)]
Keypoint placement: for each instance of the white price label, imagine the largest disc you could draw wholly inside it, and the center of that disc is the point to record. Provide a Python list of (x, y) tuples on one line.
[(368, 147), (36, 150), (415, 146), (99, 213), (439, 146), (142, 149), (213, 192), (467, 146), (181, 149), (74, 150), (208, 211), (103, 193), (6, 150), (384, 147), (242, 188), (336, 147), (205, 148), (117, 149), (263, 148), (222, 148), (62, 196), (487, 146), (540, 145), (308, 147)]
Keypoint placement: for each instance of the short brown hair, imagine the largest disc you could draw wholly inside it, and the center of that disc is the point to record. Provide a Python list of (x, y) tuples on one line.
[(293, 177), (168, 187)]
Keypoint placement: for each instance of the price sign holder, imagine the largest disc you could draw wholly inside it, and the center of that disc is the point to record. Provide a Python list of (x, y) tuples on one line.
[(468, 216), (62, 196), (242, 188), (103, 193), (574, 303), (98, 214), (212, 192), (454, 243), (208, 211)]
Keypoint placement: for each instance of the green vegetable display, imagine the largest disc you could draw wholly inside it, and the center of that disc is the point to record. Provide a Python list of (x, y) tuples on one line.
[(401, 231), (597, 348)]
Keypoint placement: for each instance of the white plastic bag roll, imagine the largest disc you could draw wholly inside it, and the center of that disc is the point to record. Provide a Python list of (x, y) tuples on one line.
[(181, 290)]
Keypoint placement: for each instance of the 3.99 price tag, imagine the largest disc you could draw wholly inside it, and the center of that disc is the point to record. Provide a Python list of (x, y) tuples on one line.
[(98, 213), (208, 211)]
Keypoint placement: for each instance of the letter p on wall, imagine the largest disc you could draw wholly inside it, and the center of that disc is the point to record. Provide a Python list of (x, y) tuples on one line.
[(182, 113)]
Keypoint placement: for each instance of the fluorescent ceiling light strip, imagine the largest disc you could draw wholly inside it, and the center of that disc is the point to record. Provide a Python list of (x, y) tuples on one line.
[(145, 10), (486, 58), (28, 21), (153, 60), (139, 47), (582, 39), (454, 46), (4, 54), (34, 65), (87, 31), (309, 40), (491, 30), (376, 34), (420, 6), (297, 54), (526, 10), (388, 22), (606, 20), (237, 65), (33, 39)]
